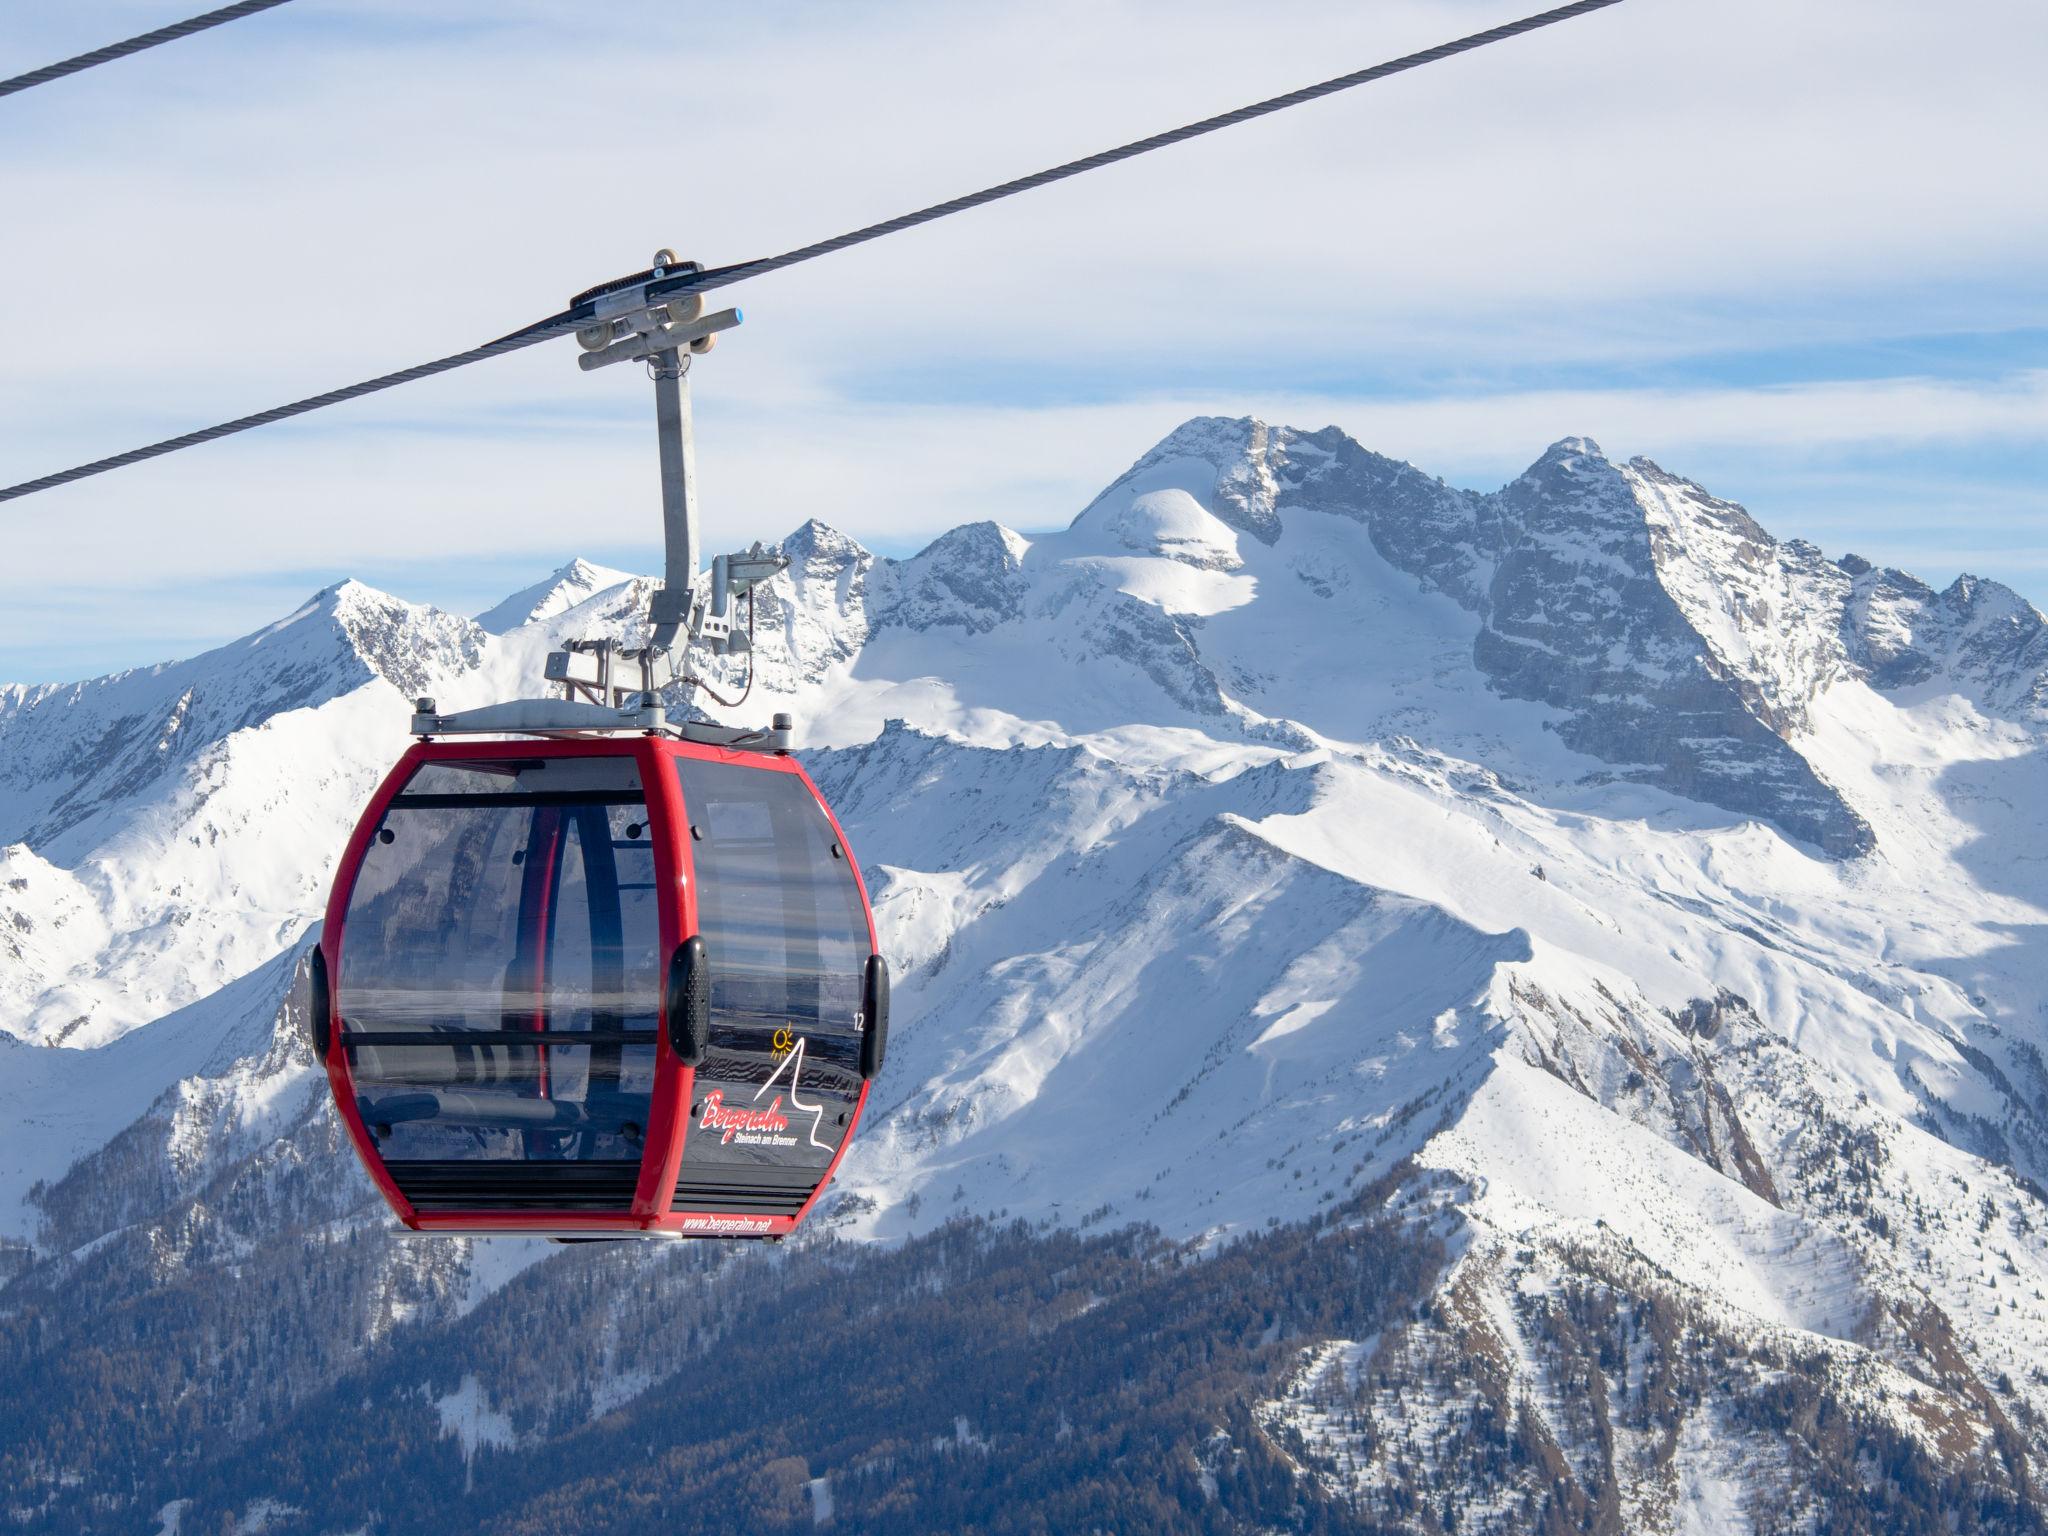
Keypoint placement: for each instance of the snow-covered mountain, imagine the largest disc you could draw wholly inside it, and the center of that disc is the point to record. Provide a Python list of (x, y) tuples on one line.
[(1645, 910), (574, 582)]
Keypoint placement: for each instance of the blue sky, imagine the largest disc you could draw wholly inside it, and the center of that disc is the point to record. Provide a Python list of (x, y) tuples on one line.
[(1779, 249)]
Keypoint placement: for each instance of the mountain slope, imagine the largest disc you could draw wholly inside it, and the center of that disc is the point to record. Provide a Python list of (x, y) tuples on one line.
[(171, 827)]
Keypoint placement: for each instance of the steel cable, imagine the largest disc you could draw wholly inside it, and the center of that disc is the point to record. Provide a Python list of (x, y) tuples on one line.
[(718, 277), (121, 50)]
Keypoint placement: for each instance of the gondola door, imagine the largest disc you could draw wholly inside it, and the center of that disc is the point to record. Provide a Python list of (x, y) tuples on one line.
[(495, 939), (787, 938)]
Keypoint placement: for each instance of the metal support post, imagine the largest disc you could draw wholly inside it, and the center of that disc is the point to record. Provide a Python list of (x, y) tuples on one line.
[(670, 610)]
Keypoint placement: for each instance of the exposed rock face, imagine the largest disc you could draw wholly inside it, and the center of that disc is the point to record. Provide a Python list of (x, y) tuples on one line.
[(401, 642), (1977, 634), (1676, 639), (1579, 574), (820, 606), (972, 577), (1241, 467), (1581, 615)]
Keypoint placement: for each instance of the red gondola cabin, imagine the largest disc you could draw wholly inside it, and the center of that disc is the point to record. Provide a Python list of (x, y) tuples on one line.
[(604, 987)]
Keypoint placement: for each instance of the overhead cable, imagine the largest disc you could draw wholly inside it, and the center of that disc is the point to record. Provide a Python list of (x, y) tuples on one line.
[(113, 51), (720, 276), (583, 309)]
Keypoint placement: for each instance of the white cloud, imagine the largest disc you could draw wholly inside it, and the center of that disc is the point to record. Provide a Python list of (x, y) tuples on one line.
[(890, 473), (330, 211), (338, 188)]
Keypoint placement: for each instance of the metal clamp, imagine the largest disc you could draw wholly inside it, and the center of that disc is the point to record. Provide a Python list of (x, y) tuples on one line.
[(586, 670), (664, 334)]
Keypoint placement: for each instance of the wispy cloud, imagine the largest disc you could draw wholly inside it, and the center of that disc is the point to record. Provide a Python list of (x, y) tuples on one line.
[(1574, 233), (895, 473)]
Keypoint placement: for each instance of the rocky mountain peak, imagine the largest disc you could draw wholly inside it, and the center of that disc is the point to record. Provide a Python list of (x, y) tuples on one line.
[(1680, 641), (1991, 604), (73, 751), (1222, 442), (817, 609), (1622, 596), (554, 593), (1977, 637), (971, 577), (1571, 456), (1231, 466), (403, 643), (819, 546)]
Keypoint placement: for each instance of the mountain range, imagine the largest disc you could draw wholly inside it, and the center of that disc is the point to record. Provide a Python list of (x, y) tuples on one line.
[(1415, 1010)]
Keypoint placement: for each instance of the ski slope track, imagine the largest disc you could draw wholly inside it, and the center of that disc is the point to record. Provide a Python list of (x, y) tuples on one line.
[(1653, 910)]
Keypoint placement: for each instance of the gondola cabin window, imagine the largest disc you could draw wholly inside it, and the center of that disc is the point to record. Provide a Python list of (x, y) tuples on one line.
[(501, 956), (786, 936)]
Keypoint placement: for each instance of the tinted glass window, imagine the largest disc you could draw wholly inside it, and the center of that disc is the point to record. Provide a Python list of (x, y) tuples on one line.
[(499, 901), (786, 939), (776, 901)]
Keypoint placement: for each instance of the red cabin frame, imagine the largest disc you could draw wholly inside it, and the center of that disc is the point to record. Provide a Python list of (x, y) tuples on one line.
[(653, 1213)]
